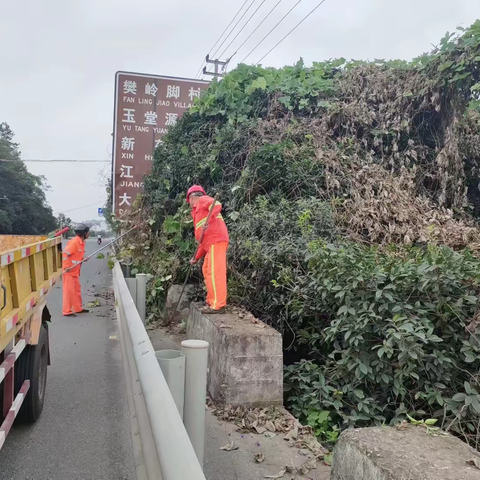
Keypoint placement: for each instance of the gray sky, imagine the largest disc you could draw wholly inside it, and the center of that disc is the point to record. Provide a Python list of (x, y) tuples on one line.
[(58, 60)]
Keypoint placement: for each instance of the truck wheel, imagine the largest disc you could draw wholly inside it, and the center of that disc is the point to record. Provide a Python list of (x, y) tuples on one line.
[(32, 365)]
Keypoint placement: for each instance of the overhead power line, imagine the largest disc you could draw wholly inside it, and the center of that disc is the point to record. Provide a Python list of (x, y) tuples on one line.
[(55, 160), (294, 28), (241, 30), (228, 26), (268, 34), (83, 206), (233, 29), (258, 26)]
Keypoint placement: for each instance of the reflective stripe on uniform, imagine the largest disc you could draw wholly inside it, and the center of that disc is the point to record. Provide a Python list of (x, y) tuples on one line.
[(212, 264), (201, 222), (204, 220)]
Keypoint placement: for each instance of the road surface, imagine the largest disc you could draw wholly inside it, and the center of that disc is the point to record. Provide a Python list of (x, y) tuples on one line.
[(83, 433)]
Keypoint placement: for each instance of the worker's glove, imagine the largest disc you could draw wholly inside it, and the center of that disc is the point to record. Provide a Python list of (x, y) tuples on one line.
[(193, 261), (205, 226), (86, 259)]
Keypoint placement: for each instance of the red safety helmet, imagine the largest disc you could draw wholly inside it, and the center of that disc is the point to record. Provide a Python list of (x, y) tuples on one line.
[(193, 189)]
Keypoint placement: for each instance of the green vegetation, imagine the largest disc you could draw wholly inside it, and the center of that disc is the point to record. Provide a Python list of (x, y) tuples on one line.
[(23, 207), (351, 194)]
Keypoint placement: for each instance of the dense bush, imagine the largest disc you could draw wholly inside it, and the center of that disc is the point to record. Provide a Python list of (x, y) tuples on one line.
[(348, 192), (386, 333)]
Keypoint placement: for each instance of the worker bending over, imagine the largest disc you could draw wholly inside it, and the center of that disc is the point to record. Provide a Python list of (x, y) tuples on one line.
[(213, 247), (72, 257)]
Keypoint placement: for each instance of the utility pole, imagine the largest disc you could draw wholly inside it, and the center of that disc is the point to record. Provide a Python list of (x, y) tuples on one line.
[(215, 74)]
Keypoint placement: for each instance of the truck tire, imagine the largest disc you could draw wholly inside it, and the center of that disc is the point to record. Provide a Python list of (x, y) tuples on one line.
[(32, 365)]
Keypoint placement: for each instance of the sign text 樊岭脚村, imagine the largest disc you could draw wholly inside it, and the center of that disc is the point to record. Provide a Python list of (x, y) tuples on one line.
[(145, 107)]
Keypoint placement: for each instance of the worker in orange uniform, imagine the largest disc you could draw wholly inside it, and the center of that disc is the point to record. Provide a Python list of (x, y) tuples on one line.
[(72, 257), (213, 247)]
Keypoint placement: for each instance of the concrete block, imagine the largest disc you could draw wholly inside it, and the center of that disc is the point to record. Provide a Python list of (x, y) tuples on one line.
[(172, 299), (245, 363), (410, 453)]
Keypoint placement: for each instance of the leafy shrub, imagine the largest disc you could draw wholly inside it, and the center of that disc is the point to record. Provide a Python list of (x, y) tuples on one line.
[(269, 239), (390, 336)]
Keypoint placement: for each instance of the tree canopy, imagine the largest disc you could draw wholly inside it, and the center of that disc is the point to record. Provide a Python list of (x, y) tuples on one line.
[(23, 206)]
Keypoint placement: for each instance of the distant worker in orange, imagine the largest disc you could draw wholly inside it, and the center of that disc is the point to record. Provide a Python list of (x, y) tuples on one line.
[(72, 256), (213, 247)]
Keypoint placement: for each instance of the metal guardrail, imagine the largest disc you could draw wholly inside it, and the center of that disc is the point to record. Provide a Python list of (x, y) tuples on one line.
[(162, 448)]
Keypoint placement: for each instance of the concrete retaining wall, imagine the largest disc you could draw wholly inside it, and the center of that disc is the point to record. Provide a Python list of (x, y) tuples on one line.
[(245, 364), (407, 453)]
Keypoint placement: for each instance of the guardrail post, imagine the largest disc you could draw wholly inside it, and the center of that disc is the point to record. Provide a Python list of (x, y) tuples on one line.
[(196, 358), (141, 295), (172, 363)]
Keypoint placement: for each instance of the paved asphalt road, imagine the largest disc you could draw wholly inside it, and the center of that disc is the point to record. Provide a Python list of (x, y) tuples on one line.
[(83, 433)]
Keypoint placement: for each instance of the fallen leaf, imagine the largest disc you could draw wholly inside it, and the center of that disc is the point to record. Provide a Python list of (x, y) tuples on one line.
[(251, 417), (278, 475), (259, 457), (327, 459), (229, 447), (270, 434), (308, 465), (306, 430), (270, 426), (474, 462), (279, 426), (260, 429), (292, 434)]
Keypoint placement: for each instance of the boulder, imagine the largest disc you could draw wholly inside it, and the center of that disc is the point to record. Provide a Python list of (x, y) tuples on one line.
[(172, 299), (405, 453)]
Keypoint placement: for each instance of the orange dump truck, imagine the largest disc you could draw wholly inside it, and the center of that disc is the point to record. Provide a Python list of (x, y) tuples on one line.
[(29, 267)]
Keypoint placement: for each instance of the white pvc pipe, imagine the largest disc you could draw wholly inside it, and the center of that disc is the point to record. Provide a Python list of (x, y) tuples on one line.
[(141, 295), (172, 363), (132, 287), (177, 457), (196, 358)]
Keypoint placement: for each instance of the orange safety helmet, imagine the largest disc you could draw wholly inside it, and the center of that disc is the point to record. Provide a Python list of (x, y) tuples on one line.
[(193, 189)]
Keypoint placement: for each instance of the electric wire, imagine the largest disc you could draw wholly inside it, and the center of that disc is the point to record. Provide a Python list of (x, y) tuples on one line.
[(54, 161), (294, 28), (223, 33), (241, 30), (257, 27), (233, 29), (83, 206), (268, 34)]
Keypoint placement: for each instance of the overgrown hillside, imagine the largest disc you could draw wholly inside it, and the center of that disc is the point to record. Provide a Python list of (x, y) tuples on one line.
[(351, 192)]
